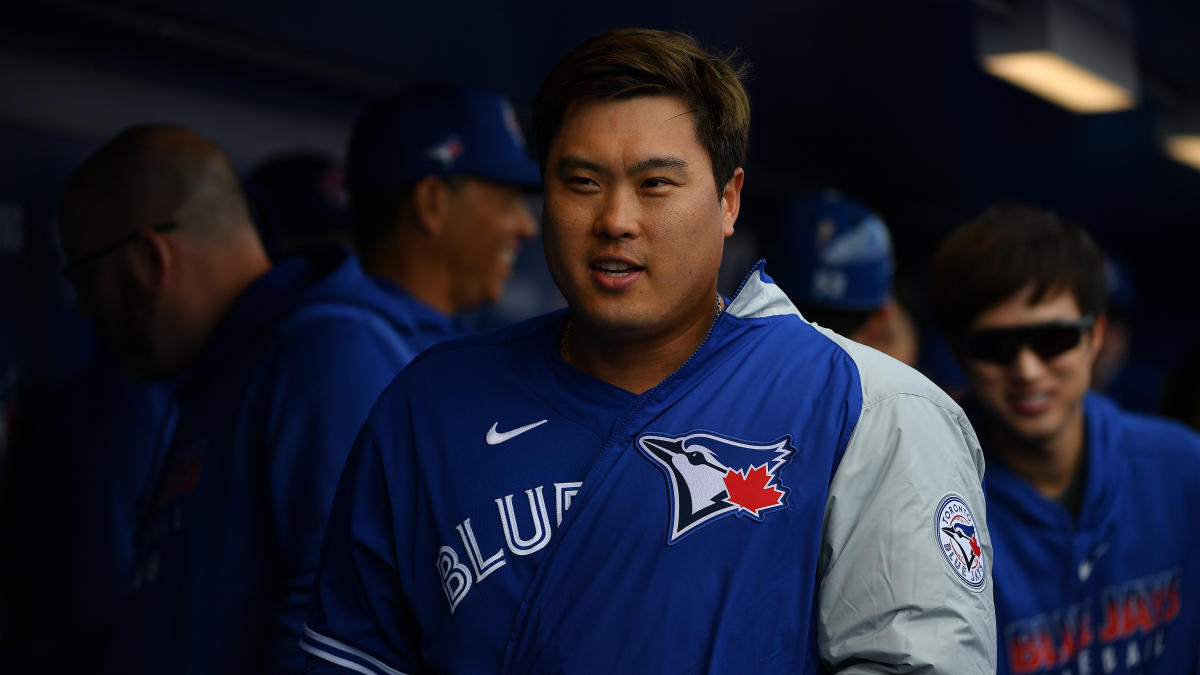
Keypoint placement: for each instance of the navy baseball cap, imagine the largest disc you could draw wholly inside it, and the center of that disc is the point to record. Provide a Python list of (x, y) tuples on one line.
[(300, 191), (439, 130), (838, 254)]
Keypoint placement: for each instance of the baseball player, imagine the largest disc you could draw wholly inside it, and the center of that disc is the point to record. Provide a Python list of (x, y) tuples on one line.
[(658, 479), (1085, 501), (273, 370), (437, 176), (837, 266)]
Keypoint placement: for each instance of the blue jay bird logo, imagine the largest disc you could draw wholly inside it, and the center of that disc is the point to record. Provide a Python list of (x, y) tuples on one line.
[(711, 477), (958, 541), (964, 541)]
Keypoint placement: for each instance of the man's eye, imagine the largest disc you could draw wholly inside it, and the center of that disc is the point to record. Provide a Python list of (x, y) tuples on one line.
[(655, 182), (581, 182)]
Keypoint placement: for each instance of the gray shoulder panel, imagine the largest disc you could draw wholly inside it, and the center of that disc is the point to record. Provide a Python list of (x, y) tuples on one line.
[(897, 596)]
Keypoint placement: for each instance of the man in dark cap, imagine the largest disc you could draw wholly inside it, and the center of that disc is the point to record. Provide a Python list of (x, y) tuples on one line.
[(437, 176)]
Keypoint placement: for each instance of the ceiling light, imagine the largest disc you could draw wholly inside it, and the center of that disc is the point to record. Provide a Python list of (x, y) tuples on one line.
[(1075, 54)]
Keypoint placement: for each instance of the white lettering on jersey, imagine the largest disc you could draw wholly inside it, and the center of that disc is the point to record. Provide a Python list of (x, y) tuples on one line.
[(482, 567), (456, 578), (541, 523), (563, 494)]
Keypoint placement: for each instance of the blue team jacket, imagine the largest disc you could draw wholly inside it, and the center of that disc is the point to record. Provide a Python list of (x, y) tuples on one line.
[(769, 506), (1116, 590), (263, 422)]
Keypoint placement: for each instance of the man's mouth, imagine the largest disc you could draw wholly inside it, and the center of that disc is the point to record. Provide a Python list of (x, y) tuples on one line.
[(615, 269), (1030, 403)]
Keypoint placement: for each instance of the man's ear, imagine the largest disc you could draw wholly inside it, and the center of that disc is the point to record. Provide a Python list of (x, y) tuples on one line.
[(156, 259), (429, 204), (731, 201), (1097, 334)]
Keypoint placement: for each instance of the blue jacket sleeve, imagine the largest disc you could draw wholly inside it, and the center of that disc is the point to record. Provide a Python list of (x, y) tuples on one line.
[(360, 620), (329, 375)]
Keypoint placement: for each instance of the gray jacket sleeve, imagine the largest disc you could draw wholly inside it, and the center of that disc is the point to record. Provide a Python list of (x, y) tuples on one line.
[(905, 568)]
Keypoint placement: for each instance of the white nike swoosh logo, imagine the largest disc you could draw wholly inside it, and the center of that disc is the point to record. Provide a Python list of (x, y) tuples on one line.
[(496, 437)]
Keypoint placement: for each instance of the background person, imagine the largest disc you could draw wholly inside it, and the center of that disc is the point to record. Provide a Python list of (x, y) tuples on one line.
[(835, 262), (299, 202), (272, 373), (1084, 500), (437, 176)]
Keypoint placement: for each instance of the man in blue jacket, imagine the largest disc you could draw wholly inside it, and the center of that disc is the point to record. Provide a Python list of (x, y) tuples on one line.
[(1085, 501), (437, 176), (657, 479), (272, 372)]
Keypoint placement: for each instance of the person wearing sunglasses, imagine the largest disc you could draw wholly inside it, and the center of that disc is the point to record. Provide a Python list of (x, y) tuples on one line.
[(1084, 501), (272, 370)]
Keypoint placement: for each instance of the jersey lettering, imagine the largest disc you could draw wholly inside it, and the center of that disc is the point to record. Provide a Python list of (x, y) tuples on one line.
[(1130, 633), (456, 578), (482, 567), (522, 536)]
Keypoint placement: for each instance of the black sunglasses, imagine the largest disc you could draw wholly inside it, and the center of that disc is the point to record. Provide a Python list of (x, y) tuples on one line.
[(1047, 340), (111, 246)]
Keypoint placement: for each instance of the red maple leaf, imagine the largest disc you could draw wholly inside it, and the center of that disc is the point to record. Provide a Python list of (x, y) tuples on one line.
[(751, 491)]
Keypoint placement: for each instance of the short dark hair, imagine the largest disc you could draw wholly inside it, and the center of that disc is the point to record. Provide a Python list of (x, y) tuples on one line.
[(1005, 249), (374, 210), (633, 62)]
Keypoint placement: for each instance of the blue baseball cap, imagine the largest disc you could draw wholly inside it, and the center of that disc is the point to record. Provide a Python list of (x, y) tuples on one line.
[(300, 191), (439, 130), (837, 253)]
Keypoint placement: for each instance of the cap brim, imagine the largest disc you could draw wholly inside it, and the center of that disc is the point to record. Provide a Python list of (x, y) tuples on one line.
[(525, 175)]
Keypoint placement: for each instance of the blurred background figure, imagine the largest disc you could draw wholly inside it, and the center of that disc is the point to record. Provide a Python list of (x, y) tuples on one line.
[(1081, 494), (833, 258), (272, 371), (299, 201), (437, 176)]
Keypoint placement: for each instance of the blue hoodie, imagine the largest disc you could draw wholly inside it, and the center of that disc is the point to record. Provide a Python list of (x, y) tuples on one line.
[(1113, 590), (262, 423)]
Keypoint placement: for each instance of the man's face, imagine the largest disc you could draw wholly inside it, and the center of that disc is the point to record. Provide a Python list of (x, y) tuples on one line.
[(486, 223), (109, 292), (1035, 399), (634, 228)]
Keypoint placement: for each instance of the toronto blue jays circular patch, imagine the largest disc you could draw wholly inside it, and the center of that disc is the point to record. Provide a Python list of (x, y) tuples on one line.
[(954, 527)]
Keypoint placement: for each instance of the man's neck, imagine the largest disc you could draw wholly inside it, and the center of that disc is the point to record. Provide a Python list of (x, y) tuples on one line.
[(415, 269), (1049, 465), (216, 280), (634, 364)]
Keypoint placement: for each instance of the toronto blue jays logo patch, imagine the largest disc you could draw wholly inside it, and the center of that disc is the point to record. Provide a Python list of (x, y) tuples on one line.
[(954, 526), (710, 477)]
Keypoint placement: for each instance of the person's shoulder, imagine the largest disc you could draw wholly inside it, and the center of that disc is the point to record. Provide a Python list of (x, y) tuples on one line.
[(445, 377), (1148, 437), (795, 338), (883, 377), (486, 349)]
